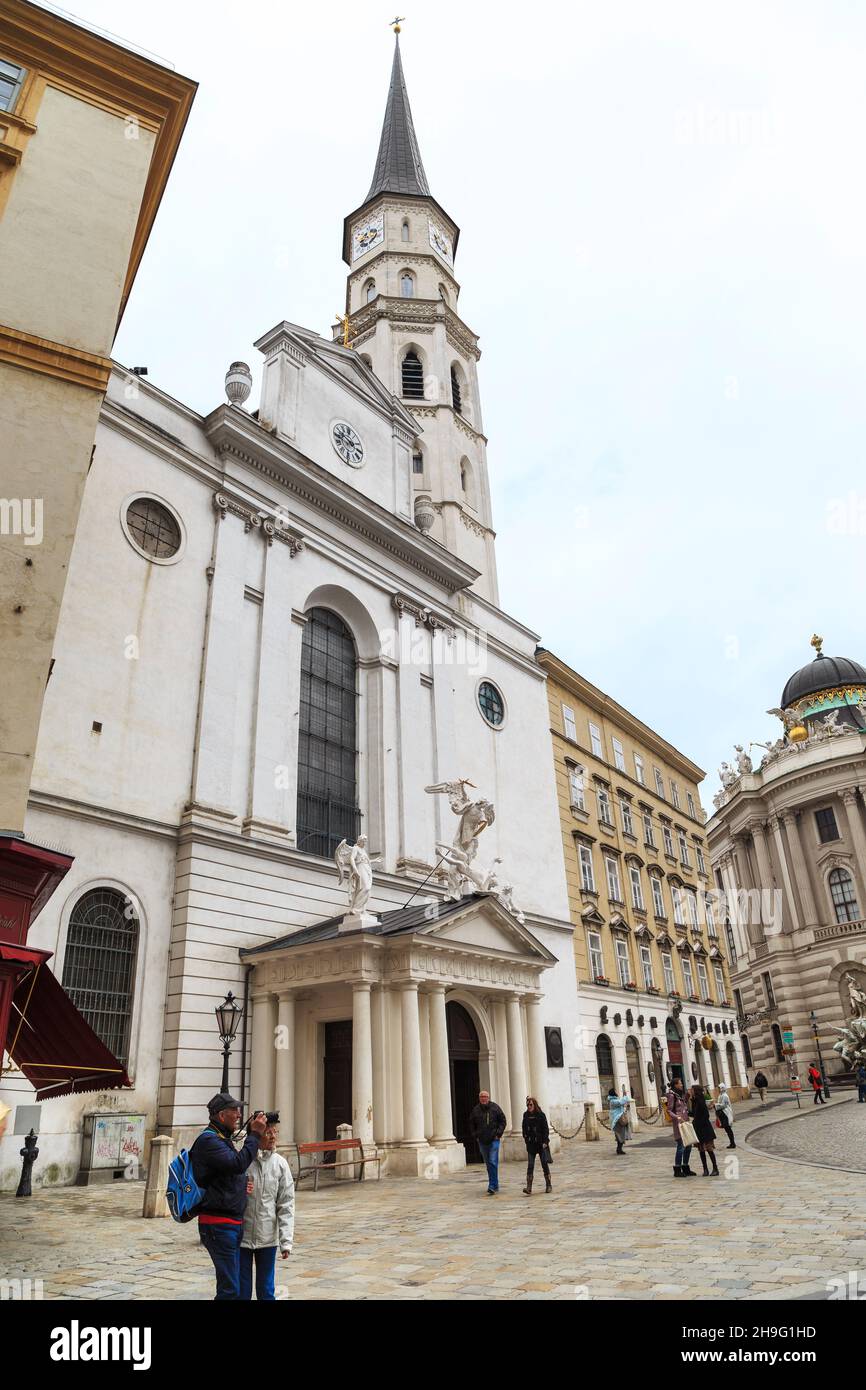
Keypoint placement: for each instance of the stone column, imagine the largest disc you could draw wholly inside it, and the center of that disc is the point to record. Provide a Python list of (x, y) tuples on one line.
[(516, 1062), (379, 1028), (500, 1085), (262, 1055), (801, 868), (732, 887), (858, 837), (284, 1087), (781, 850), (537, 1050), (274, 752), (440, 1068), (362, 1063), (426, 1076), (415, 734), (413, 1098)]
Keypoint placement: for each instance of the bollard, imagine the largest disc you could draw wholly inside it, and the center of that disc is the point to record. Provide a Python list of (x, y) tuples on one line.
[(344, 1174), (29, 1154), (155, 1203), (590, 1121)]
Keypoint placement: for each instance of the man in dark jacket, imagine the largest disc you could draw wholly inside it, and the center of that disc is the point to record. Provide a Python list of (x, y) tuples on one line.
[(487, 1124), (761, 1084), (219, 1168)]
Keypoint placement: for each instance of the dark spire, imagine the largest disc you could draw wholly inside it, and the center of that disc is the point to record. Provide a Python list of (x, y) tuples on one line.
[(398, 164)]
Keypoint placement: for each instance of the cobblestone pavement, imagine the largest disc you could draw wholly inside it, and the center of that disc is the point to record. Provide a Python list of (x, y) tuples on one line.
[(832, 1141), (614, 1228)]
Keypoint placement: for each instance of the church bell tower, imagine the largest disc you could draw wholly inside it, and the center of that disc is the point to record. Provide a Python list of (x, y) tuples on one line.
[(401, 303)]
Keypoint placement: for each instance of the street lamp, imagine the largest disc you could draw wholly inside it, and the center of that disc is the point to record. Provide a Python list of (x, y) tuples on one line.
[(820, 1058), (228, 1016)]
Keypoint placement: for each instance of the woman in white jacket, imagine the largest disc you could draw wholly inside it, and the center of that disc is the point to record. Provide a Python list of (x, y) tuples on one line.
[(269, 1219)]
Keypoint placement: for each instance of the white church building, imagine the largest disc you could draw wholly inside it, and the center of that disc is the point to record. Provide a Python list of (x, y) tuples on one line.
[(280, 626)]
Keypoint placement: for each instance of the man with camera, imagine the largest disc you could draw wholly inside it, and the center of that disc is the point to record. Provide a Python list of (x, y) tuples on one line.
[(269, 1219), (219, 1169)]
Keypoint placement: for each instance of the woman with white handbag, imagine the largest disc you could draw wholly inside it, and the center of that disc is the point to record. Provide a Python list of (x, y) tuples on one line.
[(684, 1134)]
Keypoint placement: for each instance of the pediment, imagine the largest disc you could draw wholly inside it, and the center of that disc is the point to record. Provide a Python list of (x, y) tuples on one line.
[(345, 362), (490, 927)]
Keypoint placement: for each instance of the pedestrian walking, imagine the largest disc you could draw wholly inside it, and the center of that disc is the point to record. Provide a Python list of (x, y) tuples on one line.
[(536, 1136), (269, 1219), (620, 1118), (219, 1169), (861, 1082), (678, 1109), (487, 1125), (761, 1085), (704, 1130), (725, 1113), (817, 1083)]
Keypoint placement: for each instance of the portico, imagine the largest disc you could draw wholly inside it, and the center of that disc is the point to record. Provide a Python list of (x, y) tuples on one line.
[(352, 1026)]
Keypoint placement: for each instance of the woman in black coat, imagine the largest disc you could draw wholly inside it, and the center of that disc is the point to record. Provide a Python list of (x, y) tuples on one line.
[(703, 1129), (536, 1136)]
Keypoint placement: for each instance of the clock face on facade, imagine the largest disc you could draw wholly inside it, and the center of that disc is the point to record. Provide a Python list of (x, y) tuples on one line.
[(440, 243), (347, 443), (367, 235)]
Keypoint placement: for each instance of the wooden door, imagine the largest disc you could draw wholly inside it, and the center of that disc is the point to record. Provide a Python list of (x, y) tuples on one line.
[(338, 1077)]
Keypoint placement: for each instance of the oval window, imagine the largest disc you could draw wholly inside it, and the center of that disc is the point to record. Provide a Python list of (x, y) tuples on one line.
[(491, 703), (152, 528)]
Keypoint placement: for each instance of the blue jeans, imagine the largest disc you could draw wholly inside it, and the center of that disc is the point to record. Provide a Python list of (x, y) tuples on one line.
[(490, 1154), (223, 1244), (861, 1091), (265, 1259), (683, 1151)]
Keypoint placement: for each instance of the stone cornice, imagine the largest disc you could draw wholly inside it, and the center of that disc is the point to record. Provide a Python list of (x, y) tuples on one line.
[(25, 350), (411, 314), (240, 437)]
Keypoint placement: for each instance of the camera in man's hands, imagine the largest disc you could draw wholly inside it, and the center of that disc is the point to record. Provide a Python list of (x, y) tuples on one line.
[(272, 1117)]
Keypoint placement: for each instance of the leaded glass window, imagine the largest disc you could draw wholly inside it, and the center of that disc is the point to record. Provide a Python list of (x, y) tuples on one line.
[(99, 965), (327, 748)]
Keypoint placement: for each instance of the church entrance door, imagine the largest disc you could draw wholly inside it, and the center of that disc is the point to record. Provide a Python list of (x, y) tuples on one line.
[(338, 1077), (465, 1078)]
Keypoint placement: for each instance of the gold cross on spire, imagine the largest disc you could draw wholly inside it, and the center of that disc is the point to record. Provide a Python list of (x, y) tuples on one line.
[(396, 22)]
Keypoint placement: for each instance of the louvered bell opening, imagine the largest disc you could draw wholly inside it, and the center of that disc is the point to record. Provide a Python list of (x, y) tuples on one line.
[(413, 377), (455, 393)]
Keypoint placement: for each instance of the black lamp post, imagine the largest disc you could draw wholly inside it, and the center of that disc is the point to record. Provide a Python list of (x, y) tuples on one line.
[(820, 1058), (228, 1016)]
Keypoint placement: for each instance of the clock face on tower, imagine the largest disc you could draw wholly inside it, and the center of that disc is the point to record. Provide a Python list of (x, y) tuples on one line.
[(367, 235), (439, 241), (347, 443)]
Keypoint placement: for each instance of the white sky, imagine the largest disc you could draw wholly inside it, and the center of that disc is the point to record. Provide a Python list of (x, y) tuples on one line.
[(663, 227)]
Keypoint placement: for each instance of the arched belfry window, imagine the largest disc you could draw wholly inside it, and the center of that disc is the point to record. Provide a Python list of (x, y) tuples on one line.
[(413, 376), (844, 896), (327, 747), (99, 965), (456, 397), (407, 284), (369, 291), (404, 230)]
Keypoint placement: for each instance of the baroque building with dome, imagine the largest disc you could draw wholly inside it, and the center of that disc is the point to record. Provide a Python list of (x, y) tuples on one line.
[(788, 847)]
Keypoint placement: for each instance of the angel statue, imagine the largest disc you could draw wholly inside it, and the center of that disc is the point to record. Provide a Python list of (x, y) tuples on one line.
[(354, 868), (460, 873), (856, 996), (475, 816), (744, 762), (789, 717), (727, 776)]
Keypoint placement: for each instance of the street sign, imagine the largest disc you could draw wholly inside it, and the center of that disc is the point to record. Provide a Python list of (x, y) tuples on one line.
[(796, 1083), (788, 1038)]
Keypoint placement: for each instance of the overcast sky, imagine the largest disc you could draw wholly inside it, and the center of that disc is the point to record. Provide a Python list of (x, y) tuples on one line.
[(663, 228)]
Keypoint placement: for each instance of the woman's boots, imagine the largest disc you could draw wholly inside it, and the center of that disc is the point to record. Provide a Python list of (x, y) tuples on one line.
[(548, 1185), (528, 1188), (715, 1172)]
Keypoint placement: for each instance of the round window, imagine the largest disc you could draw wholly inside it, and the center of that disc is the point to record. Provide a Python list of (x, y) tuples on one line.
[(491, 703), (152, 527)]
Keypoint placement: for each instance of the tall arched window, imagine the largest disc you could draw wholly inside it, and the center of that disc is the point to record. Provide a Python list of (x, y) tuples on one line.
[(99, 965), (456, 398), (777, 1042), (404, 230), (327, 749), (369, 291), (747, 1050), (844, 896), (604, 1062), (407, 284), (413, 376)]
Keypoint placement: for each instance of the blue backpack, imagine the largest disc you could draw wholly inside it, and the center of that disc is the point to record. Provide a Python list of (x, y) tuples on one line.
[(183, 1194)]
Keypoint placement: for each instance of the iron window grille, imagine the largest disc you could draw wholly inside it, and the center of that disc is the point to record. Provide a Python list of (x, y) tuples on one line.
[(153, 528), (490, 703), (328, 810), (99, 965)]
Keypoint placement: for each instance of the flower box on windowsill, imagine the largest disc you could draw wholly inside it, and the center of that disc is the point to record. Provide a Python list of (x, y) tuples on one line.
[(652, 989), (725, 1004), (709, 1001), (630, 986), (694, 999), (601, 980)]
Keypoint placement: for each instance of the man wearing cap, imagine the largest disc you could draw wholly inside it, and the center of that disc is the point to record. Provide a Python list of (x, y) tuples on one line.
[(219, 1168)]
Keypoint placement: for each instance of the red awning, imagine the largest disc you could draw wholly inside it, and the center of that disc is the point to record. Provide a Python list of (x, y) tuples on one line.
[(56, 1048), (23, 955)]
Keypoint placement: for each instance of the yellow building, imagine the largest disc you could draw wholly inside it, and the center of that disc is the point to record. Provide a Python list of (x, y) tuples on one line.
[(88, 133), (651, 945)]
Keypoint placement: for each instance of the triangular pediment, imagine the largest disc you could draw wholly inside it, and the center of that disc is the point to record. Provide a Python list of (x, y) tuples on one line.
[(487, 926)]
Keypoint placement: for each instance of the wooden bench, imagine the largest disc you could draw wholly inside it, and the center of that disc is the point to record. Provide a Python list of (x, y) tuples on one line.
[(336, 1146)]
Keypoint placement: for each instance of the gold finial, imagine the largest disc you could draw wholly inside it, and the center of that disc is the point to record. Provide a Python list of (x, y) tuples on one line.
[(344, 320), (817, 642), (396, 22)]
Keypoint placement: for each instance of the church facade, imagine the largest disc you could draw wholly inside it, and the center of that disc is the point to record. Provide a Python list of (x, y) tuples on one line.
[(280, 637)]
